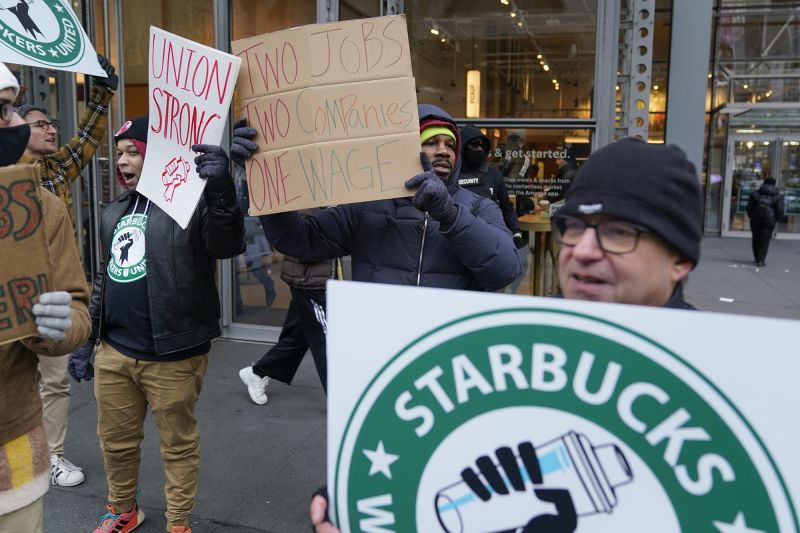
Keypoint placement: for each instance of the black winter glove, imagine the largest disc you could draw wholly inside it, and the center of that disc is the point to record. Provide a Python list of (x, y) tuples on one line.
[(519, 240), (212, 166), (243, 146), (432, 195), (112, 81), (80, 362)]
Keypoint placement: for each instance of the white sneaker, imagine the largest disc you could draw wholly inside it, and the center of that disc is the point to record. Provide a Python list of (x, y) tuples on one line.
[(256, 386), (63, 473)]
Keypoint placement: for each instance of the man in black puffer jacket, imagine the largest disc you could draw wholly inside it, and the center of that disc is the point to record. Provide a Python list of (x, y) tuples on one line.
[(445, 236), (765, 208)]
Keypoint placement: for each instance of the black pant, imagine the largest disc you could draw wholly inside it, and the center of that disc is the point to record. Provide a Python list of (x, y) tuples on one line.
[(762, 233), (304, 327)]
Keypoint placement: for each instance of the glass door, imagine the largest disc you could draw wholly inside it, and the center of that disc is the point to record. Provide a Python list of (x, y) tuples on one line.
[(750, 161), (788, 181)]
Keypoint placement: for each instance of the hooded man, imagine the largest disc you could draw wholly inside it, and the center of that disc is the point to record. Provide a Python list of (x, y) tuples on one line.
[(485, 180), (63, 324), (445, 236)]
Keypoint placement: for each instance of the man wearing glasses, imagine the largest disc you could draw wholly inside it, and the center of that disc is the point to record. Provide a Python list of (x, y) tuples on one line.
[(630, 227), (60, 167)]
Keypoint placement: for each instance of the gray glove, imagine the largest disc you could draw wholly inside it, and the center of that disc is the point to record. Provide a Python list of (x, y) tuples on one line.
[(52, 314), (112, 81), (80, 362), (243, 146), (212, 165), (432, 195)]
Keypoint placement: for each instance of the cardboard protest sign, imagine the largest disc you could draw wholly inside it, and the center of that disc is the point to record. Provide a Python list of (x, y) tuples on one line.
[(45, 33), (191, 86), (336, 110), (25, 267), (487, 412)]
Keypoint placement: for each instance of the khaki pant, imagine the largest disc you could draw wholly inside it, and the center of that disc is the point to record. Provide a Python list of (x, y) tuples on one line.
[(25, 520), (124, 387), (54, 390)]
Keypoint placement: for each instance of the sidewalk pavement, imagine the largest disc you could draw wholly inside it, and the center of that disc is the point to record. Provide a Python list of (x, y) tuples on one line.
[(261, 463)]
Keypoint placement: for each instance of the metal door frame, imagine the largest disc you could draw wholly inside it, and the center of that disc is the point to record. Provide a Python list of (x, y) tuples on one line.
[(777, 154)]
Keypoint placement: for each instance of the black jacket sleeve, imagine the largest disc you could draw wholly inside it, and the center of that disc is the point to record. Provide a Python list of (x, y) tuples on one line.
[(222, 224), (501, 193)]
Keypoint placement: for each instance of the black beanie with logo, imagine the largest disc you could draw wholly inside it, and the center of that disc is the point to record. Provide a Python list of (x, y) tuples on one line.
[(648, 184), (133, 129)]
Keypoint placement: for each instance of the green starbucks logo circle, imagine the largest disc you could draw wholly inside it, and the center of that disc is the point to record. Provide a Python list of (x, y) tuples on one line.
[(127, 262), (513, 418), (46, 31)]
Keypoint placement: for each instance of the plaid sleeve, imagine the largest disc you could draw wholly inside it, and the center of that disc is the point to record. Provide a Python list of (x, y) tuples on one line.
[(73, 156)]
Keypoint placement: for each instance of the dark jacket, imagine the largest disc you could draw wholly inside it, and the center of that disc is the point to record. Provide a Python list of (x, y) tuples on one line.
[(182, 293), (485, 180), (765, 206), (391, 241)]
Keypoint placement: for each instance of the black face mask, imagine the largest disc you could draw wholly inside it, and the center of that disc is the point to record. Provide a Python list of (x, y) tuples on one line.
[(474, 159), (13, 142)]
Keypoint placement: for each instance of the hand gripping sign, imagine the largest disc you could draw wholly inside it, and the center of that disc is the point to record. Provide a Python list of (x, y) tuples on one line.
[(191, 86), (45, 33)]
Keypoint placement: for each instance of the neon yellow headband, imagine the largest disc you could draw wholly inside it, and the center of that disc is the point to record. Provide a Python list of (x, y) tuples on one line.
[(433, 131)]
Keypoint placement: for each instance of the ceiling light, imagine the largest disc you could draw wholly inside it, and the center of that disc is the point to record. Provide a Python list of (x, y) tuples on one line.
[(555, 80), (444, 39), (435, 30), (538, 56), (745, 86), (519, 23), (513, 14), (709, 75), (546, 68), (616, 87), (655, 87), (504, 2)]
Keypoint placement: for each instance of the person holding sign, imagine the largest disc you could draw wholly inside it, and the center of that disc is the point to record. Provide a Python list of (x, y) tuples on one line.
[(63, 324), (630, 233), (154, 311), (445, 236), (60, 167), (630, 227)]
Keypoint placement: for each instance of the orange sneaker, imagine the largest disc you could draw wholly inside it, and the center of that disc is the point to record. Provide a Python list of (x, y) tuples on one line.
[(114, 522)]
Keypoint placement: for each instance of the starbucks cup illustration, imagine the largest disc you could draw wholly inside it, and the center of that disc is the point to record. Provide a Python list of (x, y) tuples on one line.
[(507, 493)]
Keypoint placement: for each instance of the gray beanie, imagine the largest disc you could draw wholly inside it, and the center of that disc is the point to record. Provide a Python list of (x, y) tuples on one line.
[(649, 184)]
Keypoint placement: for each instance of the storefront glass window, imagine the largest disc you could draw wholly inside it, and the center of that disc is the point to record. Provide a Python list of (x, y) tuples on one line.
[(527, 63), (260, 297)]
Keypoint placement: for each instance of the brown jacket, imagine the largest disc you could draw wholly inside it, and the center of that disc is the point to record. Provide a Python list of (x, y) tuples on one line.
[(20, 405)]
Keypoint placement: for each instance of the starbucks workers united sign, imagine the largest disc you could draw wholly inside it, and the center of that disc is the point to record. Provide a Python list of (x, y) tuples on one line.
[(45, 33), (501, 413)]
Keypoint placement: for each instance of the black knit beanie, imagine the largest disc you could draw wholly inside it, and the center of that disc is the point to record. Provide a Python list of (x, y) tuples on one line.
[(133, 129), (652, 185)]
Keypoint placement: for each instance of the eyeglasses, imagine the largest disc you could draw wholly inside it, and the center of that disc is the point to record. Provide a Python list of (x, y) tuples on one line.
[(613, 236), (6, 111), (44, 124)]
